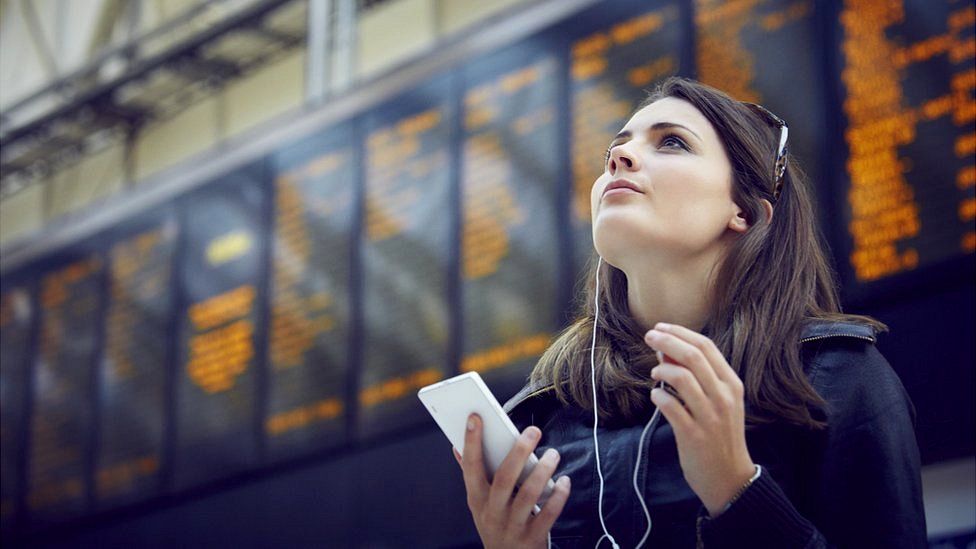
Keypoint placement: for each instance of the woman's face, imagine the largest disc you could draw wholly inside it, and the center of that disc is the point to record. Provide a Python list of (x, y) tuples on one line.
[(665, 189)]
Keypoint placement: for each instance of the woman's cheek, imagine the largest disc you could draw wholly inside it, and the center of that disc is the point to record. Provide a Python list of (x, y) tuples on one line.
[(594, 199)]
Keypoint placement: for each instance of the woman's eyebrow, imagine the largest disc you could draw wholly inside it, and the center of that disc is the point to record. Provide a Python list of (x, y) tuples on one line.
[(626, 134), (667, 125), (622, 135)]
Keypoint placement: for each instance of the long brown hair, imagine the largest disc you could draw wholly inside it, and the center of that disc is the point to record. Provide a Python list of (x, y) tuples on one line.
[(778, 270)]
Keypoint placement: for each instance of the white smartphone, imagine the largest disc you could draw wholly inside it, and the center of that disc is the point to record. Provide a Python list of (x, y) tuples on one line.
[(451, 401)]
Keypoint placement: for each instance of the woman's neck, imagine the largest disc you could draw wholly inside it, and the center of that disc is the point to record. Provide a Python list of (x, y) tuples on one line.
[(676, 295)]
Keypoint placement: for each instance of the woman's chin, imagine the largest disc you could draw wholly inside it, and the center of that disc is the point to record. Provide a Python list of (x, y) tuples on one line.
[(615, 236)]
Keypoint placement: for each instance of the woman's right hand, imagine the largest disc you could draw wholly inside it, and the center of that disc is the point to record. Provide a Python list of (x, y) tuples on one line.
[(503, 521)]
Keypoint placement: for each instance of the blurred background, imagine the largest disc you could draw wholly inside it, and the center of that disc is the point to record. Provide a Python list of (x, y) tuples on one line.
[(237, 236)]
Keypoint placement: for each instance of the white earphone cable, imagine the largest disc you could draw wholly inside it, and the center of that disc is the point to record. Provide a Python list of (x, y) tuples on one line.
[(596, 440), (640, 497), (596, 418)]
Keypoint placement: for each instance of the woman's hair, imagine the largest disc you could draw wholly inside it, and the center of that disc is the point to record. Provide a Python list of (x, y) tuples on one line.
[(773, 279)]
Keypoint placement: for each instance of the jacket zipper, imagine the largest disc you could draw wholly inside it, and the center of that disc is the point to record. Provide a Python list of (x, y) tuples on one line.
[(855, 336)]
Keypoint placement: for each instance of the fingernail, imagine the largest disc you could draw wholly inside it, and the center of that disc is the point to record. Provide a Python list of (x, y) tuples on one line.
[(550, 455), (654, 373), (471, 423), (661, 326), (563, 481), (533, 433), (651, 334)]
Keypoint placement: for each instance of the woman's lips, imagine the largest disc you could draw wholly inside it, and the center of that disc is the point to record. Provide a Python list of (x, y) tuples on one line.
[(620, 190), (621, 186)]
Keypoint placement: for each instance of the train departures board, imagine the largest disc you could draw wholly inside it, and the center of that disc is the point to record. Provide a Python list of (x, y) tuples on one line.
[(133, 371), (510, 163), (224, 229), (17, 314), (315, 184), (62, 411), (406, 244), (908, 80)]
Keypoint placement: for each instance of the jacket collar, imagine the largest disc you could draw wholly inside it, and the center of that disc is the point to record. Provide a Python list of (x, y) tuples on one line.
[(821, 329), (814, 330)]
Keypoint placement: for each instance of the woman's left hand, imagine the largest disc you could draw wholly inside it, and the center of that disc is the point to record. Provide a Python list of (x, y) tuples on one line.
[(709, 419)]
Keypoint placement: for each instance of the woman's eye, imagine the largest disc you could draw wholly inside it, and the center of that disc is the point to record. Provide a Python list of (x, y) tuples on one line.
[(671, 141)]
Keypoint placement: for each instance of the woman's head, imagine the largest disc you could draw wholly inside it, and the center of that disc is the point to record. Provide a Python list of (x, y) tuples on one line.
[(707, 189), (690, 172), (665, 189)]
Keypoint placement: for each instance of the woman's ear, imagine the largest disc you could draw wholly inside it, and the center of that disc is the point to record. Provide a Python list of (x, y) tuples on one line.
[(739, 223), (768, 206)]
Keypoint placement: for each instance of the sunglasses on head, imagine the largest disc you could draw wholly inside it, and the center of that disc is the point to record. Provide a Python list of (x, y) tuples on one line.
[(779, 168)]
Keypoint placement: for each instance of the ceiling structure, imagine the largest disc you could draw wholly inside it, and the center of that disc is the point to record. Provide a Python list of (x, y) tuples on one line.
[(164, 71)]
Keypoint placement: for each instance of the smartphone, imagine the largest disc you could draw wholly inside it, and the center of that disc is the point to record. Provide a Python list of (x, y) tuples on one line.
[(451, 401)]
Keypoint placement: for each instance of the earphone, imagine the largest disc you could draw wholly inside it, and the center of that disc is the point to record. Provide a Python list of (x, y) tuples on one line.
[(596, 442)]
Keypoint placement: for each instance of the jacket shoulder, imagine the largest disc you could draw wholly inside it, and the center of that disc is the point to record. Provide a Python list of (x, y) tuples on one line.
[(850, 373)]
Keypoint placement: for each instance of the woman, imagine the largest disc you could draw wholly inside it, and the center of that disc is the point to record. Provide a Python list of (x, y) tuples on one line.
[(714, 303)]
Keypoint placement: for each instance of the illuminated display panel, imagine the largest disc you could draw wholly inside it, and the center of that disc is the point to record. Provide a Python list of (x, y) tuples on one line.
[(132, 373), (220, 275), (16, 321), (62, 416), (406, 242), (769, 52), (315, 192), (617, 53), (908, 78), (509, 176)]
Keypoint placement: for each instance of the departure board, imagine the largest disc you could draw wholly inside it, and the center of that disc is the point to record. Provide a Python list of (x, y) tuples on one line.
[(407, 241), (908, 80), (618, 52), (135, 358), (220, 270), (61, 423), (16, 323), (767, 52), (510, 166), (315, 199)]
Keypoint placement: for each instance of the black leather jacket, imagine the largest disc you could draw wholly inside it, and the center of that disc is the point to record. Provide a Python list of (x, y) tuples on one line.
[(855, 484)]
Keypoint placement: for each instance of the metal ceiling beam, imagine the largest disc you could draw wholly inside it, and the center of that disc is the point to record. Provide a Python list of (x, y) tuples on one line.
[(38, 40), (108, 17), (186, 58)]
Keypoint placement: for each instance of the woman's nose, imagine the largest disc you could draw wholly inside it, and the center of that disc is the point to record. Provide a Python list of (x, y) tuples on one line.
[(621, 160)]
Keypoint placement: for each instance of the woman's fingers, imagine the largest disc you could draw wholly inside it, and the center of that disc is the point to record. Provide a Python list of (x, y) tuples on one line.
[(473, 465), (673, 411), (686, 355), (683, 381), (507, 522), (503, 483), (715, 358), (542, 523), (531, 489)]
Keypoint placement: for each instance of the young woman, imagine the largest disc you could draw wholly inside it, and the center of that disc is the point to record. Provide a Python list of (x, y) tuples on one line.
[(712, 304)]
